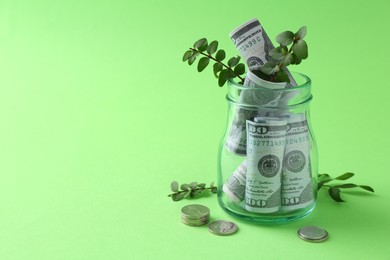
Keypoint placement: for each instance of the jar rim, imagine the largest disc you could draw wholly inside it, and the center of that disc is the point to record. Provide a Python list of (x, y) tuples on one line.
[(305, 84), (273, 95)]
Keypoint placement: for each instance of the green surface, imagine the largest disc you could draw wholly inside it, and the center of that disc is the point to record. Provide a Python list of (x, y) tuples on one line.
[(98, 115)]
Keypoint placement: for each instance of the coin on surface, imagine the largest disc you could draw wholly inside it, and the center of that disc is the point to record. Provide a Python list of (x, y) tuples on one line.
[(313, 234), (195, 211), (195, 215), (222, 227)]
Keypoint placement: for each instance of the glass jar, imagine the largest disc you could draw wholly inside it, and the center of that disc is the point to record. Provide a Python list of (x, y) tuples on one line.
[(267, 165)]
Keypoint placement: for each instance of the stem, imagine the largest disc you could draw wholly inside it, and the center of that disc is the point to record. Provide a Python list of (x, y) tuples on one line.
[(211, 57), (198, 188)]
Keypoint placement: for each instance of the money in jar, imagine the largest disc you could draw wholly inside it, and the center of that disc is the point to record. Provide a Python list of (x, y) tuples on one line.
[(265, 149), (297, 184)]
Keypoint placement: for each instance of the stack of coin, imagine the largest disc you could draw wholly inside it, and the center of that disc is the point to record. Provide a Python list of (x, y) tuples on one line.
[(195, 215)]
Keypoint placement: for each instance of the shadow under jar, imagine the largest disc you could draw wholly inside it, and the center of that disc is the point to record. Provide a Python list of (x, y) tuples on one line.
[(267, 165)]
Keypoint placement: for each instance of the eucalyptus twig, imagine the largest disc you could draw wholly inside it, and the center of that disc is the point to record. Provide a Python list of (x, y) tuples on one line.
[(282, 56), (335, 189), (191, 190), (221, 70)]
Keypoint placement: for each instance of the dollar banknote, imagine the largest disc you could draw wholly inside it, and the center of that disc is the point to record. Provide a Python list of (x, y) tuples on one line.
[(297, 184), (254, 46), (266, 144), (234, 188)]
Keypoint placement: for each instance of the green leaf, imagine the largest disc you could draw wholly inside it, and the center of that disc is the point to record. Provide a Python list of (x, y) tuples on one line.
[(203, 47), (346, 185), (199, 43), (288, 59), (320, 184), (276, 53), (193, 185), (191, 59), (184, 186), (201, 185), (366, 188), (285, 38), (282, 76), (223, 77), (202, 64), (239, 69), (211, 184), (334, 192), (270, 68), (217, 67), (186, 194), (220, 55), (345, 176), (233, 61), (212, 48), (301, 33), (195, 193), (187, 55), (174, 186), (323, 175), (300, 49), (214, 190), (296, 60), (177, 196)]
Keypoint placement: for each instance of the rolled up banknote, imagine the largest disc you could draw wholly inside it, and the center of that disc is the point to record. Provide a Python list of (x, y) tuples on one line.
[(234, 188), (266, 144), (254, 45), (297, 185)]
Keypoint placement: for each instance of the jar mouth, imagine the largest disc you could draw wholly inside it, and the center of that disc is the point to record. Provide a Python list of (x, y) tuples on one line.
[(304, 82), (271, 94)]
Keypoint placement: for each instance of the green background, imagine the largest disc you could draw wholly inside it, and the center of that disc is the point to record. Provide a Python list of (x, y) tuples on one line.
[(98, 114)]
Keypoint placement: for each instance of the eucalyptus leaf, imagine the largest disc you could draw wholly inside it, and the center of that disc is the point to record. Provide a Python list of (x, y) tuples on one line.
[(212, 48), (239, 69), (175, 186), (220, 55), (202, 64), (300, 49), (199, 43), (214, 190), (222, 77), (203, 47), (217, 67), (366, 188), (346, 185), (282, 76), (191, 59), (270, 68), (296, 60), (184, 186), (187, 55), (288, 59), (187, 194), (193, 185), (345, 176), (201, 185), (285, 38), (334, 192), (233, 61), (211, 184), (301, 33), (177, 196)]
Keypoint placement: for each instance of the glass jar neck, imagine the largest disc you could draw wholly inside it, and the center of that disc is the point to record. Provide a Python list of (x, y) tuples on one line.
[(273, 96)]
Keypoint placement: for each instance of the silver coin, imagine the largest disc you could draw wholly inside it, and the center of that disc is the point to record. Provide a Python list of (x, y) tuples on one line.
[(313, 234), (195, 211), (222, 227)]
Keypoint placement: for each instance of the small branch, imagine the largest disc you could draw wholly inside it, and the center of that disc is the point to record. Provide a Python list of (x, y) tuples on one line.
[(211, 57)]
